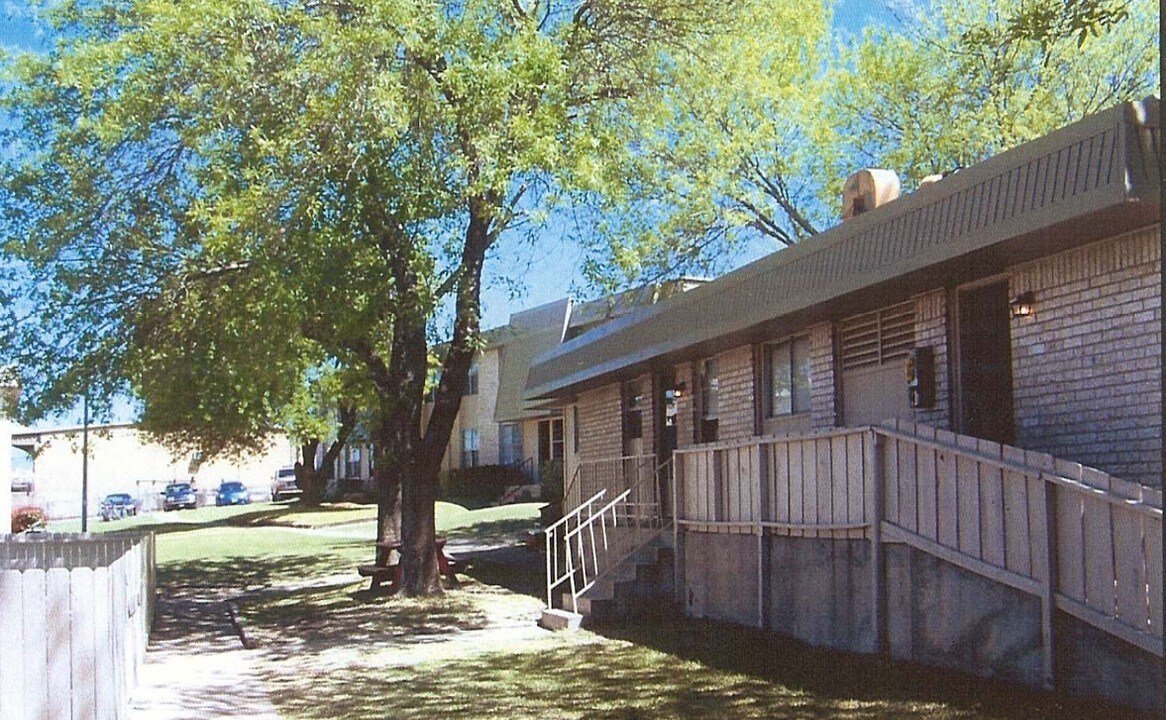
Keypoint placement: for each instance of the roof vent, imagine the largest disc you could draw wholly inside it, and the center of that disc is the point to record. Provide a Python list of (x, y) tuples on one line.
[(868, 189)]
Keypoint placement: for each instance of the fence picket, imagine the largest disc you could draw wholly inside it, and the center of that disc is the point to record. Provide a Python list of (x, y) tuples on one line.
[(1097, 531), (891, 482), (992, 530), (12, 703), (35, 649), (947, 498), (908, 486), (1070, 535), (968, 500), (797, 487), (856, 481), (823, 512), (838, 478), (1017, 517), (82, 648), (59, 646), (1152, 535), (1130, 568)]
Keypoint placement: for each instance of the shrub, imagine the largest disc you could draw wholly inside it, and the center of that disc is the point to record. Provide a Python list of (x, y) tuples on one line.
[(27, 517), (551, 473), (485, 482)]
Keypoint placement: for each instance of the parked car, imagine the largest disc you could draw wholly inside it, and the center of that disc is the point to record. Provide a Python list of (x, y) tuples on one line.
[(232, 493), (285, 484), (179, 495), (117, 506)]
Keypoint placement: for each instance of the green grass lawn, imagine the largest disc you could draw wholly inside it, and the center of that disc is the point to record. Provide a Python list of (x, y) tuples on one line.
[(330, 648)]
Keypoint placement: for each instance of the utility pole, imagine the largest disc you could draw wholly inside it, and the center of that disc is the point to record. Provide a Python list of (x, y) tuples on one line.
[(85, 461)]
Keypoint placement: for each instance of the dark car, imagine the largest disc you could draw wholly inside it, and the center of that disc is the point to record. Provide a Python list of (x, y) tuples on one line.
[(285, 485), (117, 506), (179, 495), (232, 493)]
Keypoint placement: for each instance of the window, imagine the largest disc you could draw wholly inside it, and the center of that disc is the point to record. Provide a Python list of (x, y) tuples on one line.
[(706, 429), (470, 447), (787, 377), (352, 463), (472, 380), (557, 442), (550, 440), (510, 444), (633, 415)]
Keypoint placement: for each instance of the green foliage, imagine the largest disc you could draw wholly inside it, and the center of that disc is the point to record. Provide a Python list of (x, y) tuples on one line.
[(967, 79), (482, 483), (719, 158)]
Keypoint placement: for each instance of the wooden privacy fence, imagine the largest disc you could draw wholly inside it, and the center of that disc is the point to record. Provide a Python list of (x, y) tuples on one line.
[(1082, 541), (75, 614)]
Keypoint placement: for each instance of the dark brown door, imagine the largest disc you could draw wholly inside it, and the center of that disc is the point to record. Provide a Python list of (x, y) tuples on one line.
[(985, 363)]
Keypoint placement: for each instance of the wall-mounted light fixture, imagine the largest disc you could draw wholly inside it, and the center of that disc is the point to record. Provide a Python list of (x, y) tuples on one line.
[(1023, 305)]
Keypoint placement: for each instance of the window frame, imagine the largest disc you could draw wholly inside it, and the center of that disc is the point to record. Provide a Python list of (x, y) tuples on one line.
[(798, 404), (472, 454)]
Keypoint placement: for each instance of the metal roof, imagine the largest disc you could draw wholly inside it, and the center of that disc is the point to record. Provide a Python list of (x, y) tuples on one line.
[(1092, 179)]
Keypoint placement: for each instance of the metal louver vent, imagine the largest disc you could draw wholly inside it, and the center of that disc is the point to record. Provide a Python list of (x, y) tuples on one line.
[(877, 337)]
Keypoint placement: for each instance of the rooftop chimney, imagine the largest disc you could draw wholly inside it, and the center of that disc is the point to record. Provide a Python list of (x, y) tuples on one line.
[(868, 189)]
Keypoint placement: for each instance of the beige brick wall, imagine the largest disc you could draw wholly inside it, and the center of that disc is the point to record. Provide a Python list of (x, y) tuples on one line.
[(823, 405), (600, 431), (1087, 364), (931, 331), (735, 416)]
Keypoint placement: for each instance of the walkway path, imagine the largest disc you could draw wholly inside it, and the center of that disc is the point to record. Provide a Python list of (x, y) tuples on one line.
[(197, 666)]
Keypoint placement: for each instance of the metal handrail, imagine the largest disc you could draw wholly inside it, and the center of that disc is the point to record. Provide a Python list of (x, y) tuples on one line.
[(584, 534)]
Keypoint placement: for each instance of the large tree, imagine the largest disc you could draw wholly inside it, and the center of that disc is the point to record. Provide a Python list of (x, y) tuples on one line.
[(342, 168), (962, 80)]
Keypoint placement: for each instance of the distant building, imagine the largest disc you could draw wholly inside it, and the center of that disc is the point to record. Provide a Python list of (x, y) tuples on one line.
[(124, 459)]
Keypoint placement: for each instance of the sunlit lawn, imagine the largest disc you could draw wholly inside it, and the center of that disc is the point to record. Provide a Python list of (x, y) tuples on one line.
[(332, 649)]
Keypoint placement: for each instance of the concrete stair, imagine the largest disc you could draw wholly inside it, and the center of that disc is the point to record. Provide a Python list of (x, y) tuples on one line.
[(640, 589)]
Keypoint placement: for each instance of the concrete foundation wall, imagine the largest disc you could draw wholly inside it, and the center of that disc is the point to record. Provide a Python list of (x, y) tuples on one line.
[(818, 591), (941, 615)]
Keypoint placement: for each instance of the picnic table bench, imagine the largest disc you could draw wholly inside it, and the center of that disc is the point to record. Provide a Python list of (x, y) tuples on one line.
[(446, 565)]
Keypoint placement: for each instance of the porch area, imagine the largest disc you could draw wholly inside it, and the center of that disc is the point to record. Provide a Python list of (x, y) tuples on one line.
[(900, 539)]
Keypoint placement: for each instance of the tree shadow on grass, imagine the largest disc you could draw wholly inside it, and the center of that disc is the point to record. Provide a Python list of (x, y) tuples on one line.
[(850, 676), (578, 679), (289, 623), (237, 574), (516, 568)]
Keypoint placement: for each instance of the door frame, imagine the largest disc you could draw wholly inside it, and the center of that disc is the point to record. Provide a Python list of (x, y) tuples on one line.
[(955, 349)]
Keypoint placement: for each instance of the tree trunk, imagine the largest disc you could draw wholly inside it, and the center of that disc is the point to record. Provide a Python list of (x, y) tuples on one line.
[(308, 478), (419, 570)]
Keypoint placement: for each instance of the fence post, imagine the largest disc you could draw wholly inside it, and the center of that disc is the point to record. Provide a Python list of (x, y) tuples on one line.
[(677, 518), (878, 583), (758, 504), (1048, 600)]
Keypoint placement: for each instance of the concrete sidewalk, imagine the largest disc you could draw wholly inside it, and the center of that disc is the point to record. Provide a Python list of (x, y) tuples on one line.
[(197, 666)]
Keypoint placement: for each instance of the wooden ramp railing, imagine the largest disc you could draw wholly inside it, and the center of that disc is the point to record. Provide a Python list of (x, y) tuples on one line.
[(1082, 541)]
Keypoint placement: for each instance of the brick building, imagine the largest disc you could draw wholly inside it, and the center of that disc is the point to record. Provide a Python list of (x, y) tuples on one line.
[(816, 336), (933, 430)]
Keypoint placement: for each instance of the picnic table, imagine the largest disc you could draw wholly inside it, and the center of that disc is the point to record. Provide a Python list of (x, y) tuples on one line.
[(446, 565)]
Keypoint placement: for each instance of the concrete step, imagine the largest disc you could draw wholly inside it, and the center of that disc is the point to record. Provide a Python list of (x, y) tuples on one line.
[(641, 587), (556, 619)]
